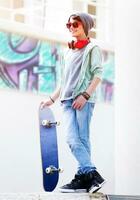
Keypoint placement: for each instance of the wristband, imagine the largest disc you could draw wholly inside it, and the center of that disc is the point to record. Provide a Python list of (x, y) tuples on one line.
[(85, 95), (51, 99)]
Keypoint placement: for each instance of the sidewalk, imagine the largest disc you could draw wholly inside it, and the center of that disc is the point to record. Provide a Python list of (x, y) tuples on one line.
[(52, 196)]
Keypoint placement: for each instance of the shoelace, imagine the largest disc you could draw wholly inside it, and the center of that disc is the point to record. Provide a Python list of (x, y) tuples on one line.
[(74, 181)]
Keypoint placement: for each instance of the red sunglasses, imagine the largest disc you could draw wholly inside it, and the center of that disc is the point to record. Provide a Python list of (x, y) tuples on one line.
[(74, 24)]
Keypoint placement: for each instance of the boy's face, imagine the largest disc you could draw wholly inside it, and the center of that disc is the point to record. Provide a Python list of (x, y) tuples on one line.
[(76, 28)]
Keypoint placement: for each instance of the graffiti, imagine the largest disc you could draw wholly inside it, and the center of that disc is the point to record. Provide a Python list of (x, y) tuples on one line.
[(107, 85), (28, 64)]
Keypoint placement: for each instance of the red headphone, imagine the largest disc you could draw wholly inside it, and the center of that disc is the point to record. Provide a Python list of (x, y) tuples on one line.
[(79, 44)]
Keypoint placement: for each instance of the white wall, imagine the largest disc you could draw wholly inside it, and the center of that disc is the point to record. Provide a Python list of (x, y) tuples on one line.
[(20, 161), (127, 103)]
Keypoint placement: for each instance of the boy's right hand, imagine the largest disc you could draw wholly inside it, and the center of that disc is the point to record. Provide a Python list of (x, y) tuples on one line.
[(46, 103)]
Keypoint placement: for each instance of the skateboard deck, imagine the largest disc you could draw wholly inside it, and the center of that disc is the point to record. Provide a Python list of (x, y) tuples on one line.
[(49, 149)]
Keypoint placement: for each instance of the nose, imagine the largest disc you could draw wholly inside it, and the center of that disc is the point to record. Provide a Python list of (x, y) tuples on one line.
[(72, 28)]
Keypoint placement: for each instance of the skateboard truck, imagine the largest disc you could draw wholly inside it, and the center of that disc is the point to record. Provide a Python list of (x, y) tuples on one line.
[(51, 169), (49, 124)]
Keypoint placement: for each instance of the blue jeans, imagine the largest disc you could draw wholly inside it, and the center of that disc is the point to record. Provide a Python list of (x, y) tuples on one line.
[(77, 123)]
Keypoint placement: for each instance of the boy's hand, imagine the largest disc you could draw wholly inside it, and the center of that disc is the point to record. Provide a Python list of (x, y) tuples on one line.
[(46, 103), (79, 102)]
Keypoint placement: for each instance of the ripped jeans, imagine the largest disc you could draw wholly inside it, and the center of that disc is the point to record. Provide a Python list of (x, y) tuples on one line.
[(77, 124)]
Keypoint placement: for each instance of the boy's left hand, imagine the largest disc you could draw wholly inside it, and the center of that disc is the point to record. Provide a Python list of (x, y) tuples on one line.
[(79, 102)]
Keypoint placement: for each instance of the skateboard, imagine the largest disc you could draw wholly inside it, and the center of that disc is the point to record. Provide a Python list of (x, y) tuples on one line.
[(49, 148)]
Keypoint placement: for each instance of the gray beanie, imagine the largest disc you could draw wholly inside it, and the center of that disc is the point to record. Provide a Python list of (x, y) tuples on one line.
[(86, 20)]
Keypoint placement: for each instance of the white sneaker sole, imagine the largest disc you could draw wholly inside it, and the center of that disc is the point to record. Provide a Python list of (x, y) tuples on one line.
[(73, 191), (94, 188)]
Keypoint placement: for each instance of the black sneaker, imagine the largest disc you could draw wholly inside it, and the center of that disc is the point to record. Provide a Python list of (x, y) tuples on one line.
[(76, 185), (96, 181)]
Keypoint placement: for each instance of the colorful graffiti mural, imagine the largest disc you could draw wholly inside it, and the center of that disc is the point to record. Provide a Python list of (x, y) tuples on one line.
[(106, 90), (28, 64)]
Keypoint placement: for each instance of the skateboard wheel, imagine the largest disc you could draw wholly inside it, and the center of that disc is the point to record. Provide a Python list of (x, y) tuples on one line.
[(51, 169), (45, 123), (48, 170), (58, 123), (61, 170)]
